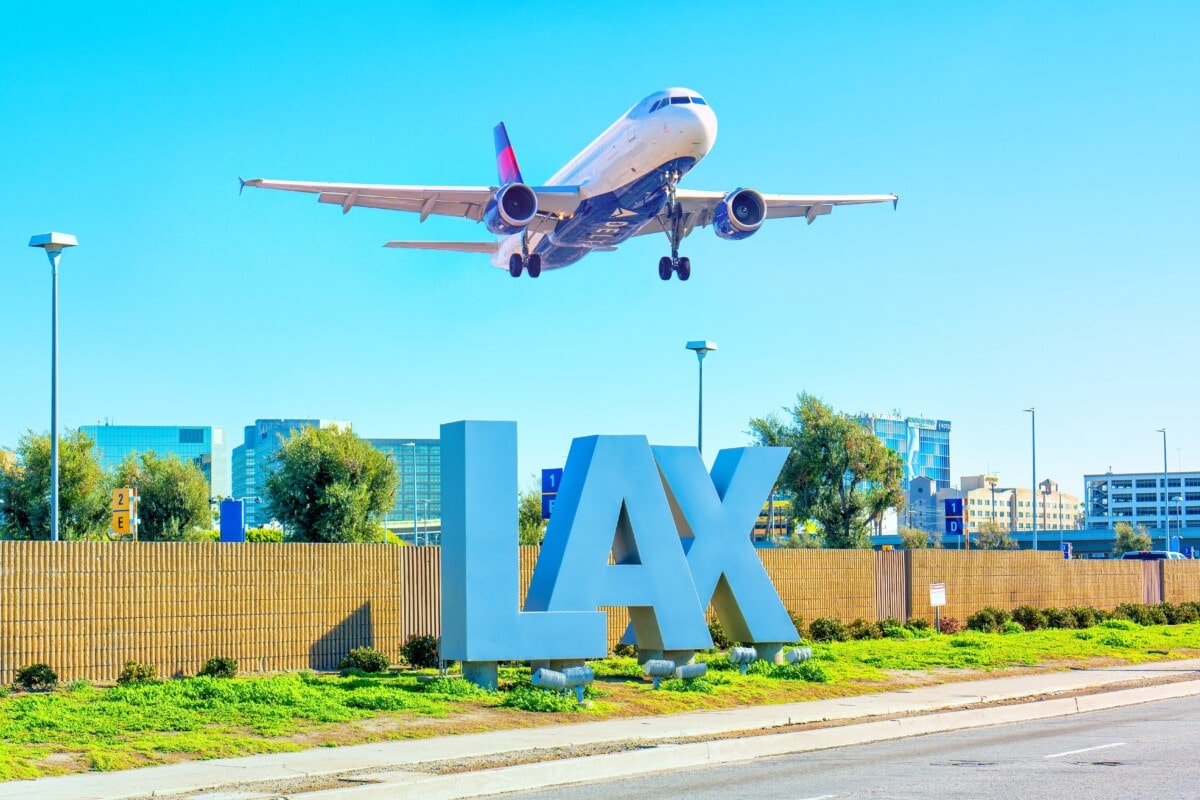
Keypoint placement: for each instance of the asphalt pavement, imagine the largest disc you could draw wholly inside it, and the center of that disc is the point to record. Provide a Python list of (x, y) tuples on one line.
[(1147, 751)]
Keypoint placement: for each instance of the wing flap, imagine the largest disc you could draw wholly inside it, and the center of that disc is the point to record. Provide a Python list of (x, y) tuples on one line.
[(452, 247)]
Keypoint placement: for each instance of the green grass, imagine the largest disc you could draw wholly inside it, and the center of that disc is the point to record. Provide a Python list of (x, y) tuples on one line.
[(82, 727)]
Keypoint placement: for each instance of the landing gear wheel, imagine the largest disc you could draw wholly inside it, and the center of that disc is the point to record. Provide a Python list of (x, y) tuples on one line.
[(515, 263), (534, 265), (684, 269), (664, 268)]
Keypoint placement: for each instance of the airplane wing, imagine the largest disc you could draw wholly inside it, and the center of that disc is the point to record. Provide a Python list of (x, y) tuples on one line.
[(447, 201), (698, 207)]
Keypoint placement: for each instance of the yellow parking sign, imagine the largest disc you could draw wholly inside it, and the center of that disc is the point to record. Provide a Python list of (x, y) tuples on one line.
[(121, 499), (120, 523)]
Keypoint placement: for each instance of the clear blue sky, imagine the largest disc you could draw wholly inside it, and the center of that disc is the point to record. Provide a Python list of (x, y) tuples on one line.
[(1044, 251)]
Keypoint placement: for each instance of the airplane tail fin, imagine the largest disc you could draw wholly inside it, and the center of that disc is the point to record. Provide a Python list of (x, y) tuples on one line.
[(506, 162)]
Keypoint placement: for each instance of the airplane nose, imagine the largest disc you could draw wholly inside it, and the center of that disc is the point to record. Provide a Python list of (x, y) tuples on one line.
[(701, 126)]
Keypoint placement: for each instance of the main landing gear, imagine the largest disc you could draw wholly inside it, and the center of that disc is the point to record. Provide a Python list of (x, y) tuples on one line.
[(524, 260), (532, 264), (671, 219)]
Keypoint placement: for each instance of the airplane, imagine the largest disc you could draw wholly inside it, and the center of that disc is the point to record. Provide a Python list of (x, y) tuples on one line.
[(623, 184)]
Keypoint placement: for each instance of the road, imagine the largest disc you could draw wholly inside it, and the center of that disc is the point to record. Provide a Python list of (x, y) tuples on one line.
[(1149, 751)]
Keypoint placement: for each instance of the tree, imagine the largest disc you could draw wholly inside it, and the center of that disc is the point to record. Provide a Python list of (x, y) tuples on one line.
[(83, 501), (327, 484), (172, 495), (991, 536), (531, 528), (838, 472), (913, 538), (1128, 539)]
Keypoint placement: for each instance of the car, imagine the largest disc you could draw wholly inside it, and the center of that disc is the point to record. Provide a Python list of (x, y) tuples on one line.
[(1151, 555)]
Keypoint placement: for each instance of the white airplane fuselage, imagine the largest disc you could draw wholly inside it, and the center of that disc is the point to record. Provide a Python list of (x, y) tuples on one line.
[(623, 177)]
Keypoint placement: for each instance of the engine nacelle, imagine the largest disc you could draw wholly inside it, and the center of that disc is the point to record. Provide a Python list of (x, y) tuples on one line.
[(740, 214), (513, 207)]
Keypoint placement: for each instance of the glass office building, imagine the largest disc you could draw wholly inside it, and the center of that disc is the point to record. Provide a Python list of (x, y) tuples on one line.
[(201, 445), (923, 445), (419, 490), (251, 464)]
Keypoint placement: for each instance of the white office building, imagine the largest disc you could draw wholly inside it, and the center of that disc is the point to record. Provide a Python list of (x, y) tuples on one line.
[(1141, 498)]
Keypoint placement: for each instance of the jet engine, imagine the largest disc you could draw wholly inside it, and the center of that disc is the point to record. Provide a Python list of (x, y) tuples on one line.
[(740, 214), (513, 207)]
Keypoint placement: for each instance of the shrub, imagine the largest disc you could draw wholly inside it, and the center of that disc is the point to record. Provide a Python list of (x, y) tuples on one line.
[(804, 671), (987, 619), (1012, 626), (967, 641), (421, 651), (1179, 614), (219, 667), (1119, 624), (1114, 639), (136, 672), (827, 629), (1141, 614), (34, 677), (453, 687), (623, 650), (1060, 618), (524, 697), (918, 624), (1030, 618), (720, 640), (861, 629), (367, 659), (949, 625), (1085, 616), (698, 685)]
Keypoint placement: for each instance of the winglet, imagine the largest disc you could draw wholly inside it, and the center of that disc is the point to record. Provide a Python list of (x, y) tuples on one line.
[(506, 161), (241, 185), (895, 201)]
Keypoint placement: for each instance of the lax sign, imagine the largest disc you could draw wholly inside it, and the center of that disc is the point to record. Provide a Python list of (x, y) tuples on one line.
[(679, 537)]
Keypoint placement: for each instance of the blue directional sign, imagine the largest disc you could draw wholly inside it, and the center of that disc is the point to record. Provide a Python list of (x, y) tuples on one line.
[(551, 478), (1187, 551), (954, 507), (1066, 550), (954, 526)]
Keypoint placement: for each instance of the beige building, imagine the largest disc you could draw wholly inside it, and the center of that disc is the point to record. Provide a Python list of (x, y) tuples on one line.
[(1011, 507)]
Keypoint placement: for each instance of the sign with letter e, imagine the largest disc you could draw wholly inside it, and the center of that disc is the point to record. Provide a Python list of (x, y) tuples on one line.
[(120, 523)]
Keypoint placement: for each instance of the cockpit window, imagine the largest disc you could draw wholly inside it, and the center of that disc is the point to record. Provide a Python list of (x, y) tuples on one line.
[(679, 100), (657, 105), (699, 101)]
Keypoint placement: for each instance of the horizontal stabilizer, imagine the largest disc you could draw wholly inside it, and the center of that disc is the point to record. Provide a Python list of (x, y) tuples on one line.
[(453, 247)]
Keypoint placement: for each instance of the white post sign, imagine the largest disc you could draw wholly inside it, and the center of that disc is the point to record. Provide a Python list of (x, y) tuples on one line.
[(937, 594)]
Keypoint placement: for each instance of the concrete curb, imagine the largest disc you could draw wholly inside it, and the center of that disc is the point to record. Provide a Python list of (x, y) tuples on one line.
[(666, 758)]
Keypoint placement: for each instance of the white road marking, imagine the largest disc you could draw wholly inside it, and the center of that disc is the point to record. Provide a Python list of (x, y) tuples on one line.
[(1085, 750), (819, 797)]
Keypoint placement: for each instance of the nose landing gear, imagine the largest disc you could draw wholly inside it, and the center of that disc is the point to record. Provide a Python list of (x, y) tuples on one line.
[(671, 220)]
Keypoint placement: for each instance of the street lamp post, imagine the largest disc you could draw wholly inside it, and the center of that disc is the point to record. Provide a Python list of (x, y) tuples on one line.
[(1033, 442), (701, 348), (413, 445), (53, 243), (1166, 498)]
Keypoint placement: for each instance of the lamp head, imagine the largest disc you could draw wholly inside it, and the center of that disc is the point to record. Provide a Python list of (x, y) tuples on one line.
[(53, 242), (701, 348)]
